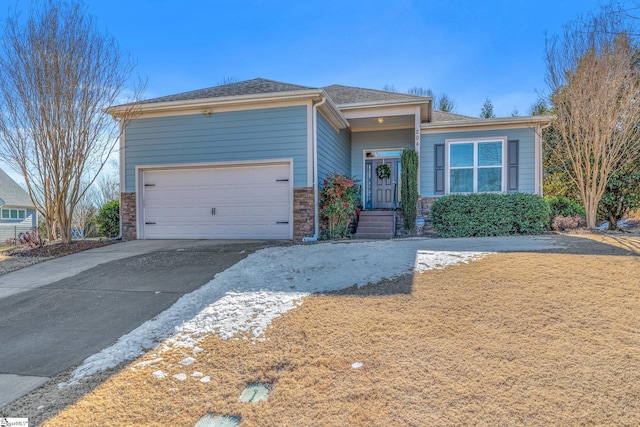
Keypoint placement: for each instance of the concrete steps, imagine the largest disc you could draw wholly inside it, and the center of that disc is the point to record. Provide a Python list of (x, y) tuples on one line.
[(375, 225)]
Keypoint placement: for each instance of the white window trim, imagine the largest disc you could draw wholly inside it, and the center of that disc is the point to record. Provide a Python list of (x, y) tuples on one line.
[(2, 218), (475, 141)]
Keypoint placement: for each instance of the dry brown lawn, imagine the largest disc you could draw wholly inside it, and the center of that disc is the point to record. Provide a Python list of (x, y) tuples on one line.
[(514, 339)]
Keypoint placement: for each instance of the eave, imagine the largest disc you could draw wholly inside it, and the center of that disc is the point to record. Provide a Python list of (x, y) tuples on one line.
[(505, 122)]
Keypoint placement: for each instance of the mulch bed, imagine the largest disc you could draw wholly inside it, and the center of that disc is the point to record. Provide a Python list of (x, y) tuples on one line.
[(58, 249)]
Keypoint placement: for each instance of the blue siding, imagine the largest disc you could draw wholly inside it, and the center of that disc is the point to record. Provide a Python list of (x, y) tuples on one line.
[(9, 228), (376, 140), (260, 134), (526, 160), (334, 149)]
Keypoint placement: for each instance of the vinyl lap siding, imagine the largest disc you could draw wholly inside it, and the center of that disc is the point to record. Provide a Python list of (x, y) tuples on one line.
[(9, 229), (334, 149), (371, 140), (526, 165), (270, 133)]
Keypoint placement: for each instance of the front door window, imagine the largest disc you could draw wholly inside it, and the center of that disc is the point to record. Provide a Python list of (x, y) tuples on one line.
[(382, 193)]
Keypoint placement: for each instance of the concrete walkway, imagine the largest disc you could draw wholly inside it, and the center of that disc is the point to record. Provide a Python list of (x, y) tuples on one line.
[(56, 313)]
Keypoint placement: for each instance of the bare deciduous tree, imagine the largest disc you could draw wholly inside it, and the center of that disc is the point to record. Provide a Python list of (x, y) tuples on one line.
[(593, 74), (57, 75)]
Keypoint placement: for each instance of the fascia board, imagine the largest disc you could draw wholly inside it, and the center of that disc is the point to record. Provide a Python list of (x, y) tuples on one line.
[(480, 123), (213, 102)]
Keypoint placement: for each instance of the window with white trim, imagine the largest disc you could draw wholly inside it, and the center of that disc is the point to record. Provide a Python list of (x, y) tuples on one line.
[(13, 214), (476, 166)]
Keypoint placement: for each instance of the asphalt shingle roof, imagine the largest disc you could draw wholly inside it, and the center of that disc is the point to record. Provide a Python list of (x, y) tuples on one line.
[(247, 87), (353, 95), (11, 193), (339, 94), (443, 116)]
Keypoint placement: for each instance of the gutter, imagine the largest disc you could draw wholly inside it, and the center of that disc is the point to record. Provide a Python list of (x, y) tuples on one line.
[(316, 220)]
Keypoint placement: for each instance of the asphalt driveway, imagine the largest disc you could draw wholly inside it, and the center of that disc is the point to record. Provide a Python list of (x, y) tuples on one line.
[(55, 314)]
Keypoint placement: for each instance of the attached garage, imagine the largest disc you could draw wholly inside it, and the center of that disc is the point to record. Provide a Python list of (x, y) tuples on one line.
[(246, 201)]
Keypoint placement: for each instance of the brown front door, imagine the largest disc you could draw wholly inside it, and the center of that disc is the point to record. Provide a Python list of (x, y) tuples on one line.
[(383, 189)]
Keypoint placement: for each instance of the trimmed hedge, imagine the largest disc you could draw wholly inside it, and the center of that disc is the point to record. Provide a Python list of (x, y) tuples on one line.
[(489, 215), (564, 206)]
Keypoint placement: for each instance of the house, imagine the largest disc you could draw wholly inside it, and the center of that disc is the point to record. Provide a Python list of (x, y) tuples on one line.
[(17, 213), (244, 160)]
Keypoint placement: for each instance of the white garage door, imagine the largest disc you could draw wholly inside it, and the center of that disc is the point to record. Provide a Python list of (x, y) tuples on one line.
[(236, 202)]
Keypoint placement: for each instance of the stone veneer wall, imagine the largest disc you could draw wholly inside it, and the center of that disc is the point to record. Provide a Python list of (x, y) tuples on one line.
[(128, 215), (303, 212), (424, 212)]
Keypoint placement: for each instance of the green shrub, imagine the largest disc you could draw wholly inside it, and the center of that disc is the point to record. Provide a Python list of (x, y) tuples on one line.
[(409, 187), (489, 215), (108, 219), (564, 206)]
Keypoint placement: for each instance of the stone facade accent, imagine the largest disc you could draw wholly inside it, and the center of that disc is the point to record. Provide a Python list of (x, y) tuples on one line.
[(128, 215), (424, 212), (424, 209), (303, 212)]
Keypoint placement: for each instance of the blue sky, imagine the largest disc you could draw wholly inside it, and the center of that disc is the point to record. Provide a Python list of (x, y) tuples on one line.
[(470, 50)]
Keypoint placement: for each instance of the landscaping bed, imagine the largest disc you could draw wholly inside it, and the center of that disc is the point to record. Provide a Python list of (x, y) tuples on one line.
[(22, 256)]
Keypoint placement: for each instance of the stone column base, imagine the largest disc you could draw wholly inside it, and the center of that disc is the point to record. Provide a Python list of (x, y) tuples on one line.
[(128, 215)]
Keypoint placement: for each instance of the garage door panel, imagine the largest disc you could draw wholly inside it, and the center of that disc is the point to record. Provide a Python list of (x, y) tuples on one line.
[(249, 202)]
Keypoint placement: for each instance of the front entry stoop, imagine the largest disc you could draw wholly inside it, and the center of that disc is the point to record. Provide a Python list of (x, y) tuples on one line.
[(375, 225)]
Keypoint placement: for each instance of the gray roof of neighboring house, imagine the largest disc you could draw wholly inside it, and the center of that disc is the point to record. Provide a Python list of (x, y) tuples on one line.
[(342, 95), (247, 87), (11, 194)]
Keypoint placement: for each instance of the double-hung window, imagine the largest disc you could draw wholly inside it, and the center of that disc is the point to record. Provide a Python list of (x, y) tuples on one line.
[(13, 214), (476, 166)]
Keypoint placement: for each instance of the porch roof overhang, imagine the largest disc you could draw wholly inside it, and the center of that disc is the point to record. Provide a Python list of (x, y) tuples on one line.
[(398, 114)]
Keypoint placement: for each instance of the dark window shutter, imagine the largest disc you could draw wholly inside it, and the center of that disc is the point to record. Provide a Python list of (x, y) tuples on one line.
[(512, 165), (439, 169)]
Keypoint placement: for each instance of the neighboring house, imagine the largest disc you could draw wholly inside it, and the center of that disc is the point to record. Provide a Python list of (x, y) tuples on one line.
[(244, 160), (17, 213)]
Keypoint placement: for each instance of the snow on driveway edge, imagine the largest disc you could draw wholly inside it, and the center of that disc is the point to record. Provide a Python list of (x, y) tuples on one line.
[(265, 285)]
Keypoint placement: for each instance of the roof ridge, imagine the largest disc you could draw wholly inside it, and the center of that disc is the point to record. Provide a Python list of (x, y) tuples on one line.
[(377, 90)]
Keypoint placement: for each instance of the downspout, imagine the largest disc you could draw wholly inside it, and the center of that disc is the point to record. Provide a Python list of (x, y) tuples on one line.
[(541, 160), (121, 179), (314, 142)]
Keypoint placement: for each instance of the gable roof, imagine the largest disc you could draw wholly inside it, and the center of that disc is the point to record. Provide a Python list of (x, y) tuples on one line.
[(344, 95), (443, 116), (11, 194), (247, 87)]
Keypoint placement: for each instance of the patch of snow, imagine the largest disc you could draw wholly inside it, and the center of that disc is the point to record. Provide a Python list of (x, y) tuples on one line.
[(205, 379), (249, 295), (357, 365), (159, 375), (197, 374), (149, 362), (180, 377), (434, 260), (187, 361)]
